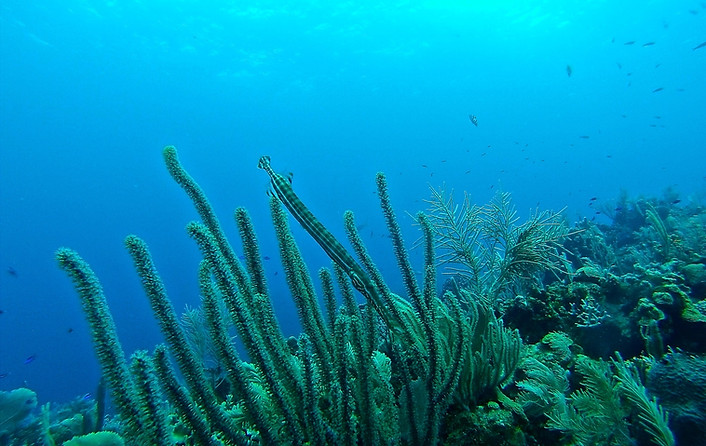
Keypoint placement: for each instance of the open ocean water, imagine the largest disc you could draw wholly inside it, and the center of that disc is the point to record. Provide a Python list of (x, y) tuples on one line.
[(564, 104)]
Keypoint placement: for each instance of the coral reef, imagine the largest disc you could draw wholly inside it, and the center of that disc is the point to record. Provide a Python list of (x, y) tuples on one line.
[(523, 344), (636, 285), (52, 423), (390, 372)]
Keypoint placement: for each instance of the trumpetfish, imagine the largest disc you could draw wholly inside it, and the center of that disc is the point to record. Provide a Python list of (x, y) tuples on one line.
[(282, 187)]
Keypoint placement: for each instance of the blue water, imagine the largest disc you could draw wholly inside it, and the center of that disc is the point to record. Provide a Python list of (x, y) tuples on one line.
[(90, 92)]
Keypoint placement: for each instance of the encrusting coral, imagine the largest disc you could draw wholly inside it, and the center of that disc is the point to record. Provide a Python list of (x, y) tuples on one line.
[(383, 373)]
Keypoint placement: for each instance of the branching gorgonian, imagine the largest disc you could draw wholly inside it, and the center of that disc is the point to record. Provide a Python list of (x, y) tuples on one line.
[(488, 248)]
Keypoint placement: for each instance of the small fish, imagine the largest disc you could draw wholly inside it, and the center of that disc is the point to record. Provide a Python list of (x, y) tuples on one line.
[(569, 70), (30, 359), (657, 89), (594, 198), (12, 271), (473, 119), (4, 375), (70, 330), (584, 136), (699, 46), (677, 201), (648, 44), (629, 42), (266, 257), (87, 396)]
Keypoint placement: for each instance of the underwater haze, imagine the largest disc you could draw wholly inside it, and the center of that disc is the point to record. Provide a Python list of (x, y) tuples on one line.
[(563, 104)]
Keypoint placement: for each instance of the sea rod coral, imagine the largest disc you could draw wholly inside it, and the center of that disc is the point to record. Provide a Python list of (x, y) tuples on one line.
[(382, 373)]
